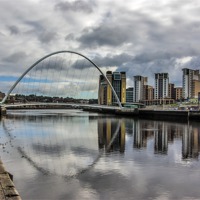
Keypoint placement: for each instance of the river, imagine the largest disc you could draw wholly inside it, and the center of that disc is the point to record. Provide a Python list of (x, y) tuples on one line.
[(72, 154)]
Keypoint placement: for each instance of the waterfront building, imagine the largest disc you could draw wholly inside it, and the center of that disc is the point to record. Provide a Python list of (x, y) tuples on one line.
[(119, 85), (171, 91), (149, 93), (129, 95), (191, 83), (139, 93), (178, 93), (118, 81), (2, 95), (161, 86), (195, 88)]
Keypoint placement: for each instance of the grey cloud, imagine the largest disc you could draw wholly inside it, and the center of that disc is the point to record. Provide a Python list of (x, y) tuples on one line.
[(153, 37), (13, 30), (47, 36), (15, 57), (113, 60), (130, 27), (70, 36), (1, 34), (76, 6), (144, 33), (194, 63), (34, 24), (111, 35), (104, 61), (42, 33), (152, 56)]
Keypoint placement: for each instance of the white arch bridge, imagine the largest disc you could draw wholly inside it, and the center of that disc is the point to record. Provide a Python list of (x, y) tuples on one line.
[(65, 77)]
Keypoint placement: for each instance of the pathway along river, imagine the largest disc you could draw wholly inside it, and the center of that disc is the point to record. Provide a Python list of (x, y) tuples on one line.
[(71, 154)]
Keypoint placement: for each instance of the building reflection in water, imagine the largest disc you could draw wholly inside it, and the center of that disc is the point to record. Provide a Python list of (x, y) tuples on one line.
[(161, 138), (140, 134), (106, 130), (165, 133), (162, 133), (190, 142)]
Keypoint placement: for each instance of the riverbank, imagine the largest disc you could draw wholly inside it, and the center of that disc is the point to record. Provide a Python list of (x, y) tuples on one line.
[(7, 188), (152, 114), (156, 113)]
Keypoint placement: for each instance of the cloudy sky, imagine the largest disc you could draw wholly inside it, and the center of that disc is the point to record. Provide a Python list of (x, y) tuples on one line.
[(140, 37)]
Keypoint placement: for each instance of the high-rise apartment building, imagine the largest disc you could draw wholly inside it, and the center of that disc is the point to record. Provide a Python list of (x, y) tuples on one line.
[(191, 85), (118, 81), (161, 86), (139, 92)]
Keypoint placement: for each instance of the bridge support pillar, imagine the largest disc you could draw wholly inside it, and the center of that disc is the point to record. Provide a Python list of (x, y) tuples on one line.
[(2, 110)]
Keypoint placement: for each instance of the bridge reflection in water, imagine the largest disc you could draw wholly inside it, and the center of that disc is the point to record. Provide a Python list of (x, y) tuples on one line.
[(57, 144), (73, 144)]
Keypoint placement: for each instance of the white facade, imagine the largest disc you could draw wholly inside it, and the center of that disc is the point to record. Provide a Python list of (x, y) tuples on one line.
[(189, 75), (161, 86), (139, 90)]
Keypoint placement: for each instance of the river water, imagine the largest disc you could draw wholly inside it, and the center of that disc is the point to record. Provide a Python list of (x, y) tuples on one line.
[(72, 154)]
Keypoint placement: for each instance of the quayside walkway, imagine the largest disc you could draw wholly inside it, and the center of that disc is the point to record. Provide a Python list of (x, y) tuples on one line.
[(7, 188)]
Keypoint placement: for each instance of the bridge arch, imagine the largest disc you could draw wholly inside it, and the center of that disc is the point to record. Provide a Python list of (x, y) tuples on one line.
[(54, 53)]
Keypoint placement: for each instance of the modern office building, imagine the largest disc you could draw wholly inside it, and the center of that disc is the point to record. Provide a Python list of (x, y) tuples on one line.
[(139, 92), (118, 81), (191, 85), (129, 95), (161, 86), (119, 85)]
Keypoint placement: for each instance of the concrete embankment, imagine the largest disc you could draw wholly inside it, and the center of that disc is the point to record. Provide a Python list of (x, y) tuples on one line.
[(7, 188), (177, 115), (169, 114), (2, 110)]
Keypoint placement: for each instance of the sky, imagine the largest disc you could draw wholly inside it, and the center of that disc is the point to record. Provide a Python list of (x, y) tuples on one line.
[(140, 37)]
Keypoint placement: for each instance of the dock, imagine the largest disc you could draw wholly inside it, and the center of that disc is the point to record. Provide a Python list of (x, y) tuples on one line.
[(7, 188)]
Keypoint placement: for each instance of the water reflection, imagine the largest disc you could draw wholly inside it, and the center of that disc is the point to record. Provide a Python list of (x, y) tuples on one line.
[(75, 143), (64, 144), (54, 144), (106, 130), (165, 133), (191, 142), (104, 156)]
